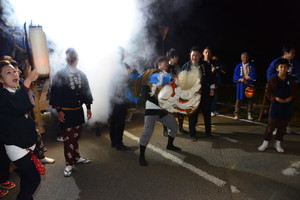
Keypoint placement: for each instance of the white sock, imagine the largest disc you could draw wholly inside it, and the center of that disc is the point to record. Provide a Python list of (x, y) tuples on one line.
[(264, 146), (278, 146)]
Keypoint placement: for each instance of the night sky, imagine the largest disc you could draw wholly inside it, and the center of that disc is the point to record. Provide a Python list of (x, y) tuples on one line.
[(230, 27)]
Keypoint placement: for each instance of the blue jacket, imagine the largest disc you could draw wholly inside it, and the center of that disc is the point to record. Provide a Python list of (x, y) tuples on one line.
[(294, 70), (240, 86)]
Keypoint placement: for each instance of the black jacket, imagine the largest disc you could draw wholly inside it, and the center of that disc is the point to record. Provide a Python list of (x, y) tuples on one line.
[(17, 127)]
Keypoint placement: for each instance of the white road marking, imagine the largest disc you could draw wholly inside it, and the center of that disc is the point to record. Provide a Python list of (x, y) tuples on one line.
[(292, 170), (186, 165)]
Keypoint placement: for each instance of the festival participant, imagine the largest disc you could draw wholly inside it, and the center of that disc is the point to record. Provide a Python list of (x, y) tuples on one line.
[(281, 91), (216, 69), (175, 68), (119, 103), (207, 91), (153, 111), (289, 53), (40, 147), (18, 131), (70, 89), (244, 76), (5, 184)]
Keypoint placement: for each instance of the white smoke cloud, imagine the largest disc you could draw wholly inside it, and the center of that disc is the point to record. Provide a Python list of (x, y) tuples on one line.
[(95, 28)]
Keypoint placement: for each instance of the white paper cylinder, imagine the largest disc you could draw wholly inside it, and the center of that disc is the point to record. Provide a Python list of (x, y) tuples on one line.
[(39, 48)]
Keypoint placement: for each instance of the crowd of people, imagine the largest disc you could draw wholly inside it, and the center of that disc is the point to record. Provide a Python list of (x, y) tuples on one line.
[(20, 142)]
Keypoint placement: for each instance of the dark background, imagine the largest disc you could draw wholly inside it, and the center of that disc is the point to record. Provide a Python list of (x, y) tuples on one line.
[(230, 27)]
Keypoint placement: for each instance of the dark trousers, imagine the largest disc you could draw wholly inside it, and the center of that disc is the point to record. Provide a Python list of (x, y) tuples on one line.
[(4, 164), (30, 178), (117, 123), (205, 108), (281, 129), (71, 137)]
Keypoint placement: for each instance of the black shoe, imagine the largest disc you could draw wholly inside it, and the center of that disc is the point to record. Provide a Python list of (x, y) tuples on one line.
[(181, 130), (173, 148), (193, 138), (143, 162), (123, 148), (113, 145)]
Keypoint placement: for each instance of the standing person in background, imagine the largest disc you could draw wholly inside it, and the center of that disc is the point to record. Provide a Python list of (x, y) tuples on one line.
[(218, 69), (207, 91), (244, 76), (70, 90), (175, 68), (289, 53), (18, 131), (281, 91), (120, 103)]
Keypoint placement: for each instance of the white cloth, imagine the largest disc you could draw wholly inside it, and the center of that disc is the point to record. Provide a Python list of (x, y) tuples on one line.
[(15, 153), (246, 69), (150, 105)]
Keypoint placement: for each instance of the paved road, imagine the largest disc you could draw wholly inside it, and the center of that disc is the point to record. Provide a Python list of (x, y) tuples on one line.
[(226, 167)]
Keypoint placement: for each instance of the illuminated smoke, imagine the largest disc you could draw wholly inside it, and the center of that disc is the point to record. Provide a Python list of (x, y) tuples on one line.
[(95, 29)]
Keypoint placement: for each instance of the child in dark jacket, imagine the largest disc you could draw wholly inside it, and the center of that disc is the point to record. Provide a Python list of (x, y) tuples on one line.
[(281, 91), (18, 131)]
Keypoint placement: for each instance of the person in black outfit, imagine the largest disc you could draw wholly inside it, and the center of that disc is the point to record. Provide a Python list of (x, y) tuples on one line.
[(119, 103), (207, 91), (18, 131)]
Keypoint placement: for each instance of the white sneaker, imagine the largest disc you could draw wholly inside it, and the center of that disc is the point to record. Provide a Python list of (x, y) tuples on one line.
[(47, 160), (250, 117), (236, 117), (212, 114), (288, 130), (68, 171), (278, 146), (60, 138), (264, 146), (83, 161)]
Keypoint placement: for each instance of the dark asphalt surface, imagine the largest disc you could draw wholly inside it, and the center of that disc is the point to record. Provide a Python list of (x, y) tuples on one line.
[(225, 167)]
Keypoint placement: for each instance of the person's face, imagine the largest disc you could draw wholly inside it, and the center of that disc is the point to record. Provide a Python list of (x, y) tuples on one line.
[(290, 55), (72, 59), (207, 54), (282, 69), (164, 66), (195, 57), (9, 76), (245, 58), (174, 60)]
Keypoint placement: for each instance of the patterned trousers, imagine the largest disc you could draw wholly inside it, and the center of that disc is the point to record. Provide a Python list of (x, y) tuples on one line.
[(71, 147)]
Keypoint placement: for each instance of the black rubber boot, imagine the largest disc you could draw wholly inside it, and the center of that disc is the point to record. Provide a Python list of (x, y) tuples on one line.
[(142, 159), (171, 146)]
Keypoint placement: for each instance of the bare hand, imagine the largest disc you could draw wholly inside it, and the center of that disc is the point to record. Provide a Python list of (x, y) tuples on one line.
[(61, 116), (211, 92), (89, 114), (32, 75)]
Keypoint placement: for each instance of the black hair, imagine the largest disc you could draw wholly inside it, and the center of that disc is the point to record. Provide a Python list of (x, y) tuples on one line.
[(287, 48), (159, 60), (3, 63), (171, 53), (70, 50), (209, 48), (282, 61), (196, 48)]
